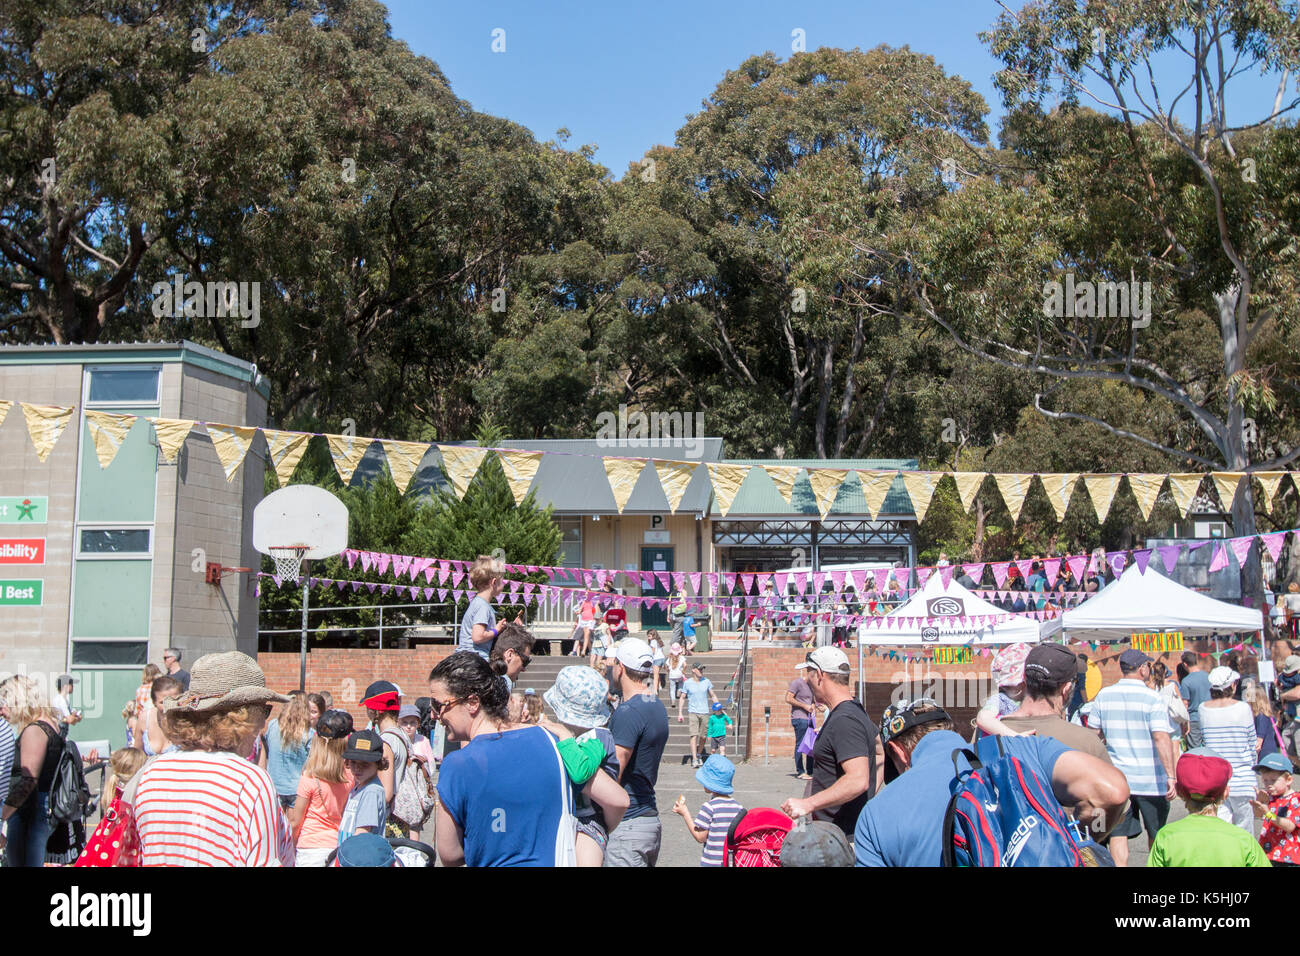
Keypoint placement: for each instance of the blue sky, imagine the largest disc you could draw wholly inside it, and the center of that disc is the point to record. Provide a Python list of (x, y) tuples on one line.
[(624, 75)]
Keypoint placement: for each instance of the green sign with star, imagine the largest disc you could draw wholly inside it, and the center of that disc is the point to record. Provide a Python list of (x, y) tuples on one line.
[(24, 509)]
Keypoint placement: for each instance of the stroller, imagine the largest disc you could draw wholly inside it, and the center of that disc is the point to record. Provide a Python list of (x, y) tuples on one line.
[(406, 853), (755, 837)]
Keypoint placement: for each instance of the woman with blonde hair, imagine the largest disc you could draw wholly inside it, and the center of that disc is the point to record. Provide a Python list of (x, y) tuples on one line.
[(26, 809), (323, 789), (285, 743), (206, 804), (142, 701), (1268, 739)]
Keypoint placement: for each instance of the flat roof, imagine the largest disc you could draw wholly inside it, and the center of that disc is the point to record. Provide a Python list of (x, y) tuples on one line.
[(107, 353)]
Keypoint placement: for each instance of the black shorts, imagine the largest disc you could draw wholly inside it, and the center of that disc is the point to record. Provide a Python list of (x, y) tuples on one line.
[(1148, 811)]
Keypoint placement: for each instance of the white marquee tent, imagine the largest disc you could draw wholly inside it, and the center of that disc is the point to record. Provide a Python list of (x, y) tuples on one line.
[(1140, 603), (948, 615)]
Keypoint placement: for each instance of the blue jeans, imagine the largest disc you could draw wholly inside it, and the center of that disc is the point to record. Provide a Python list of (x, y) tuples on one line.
[(800, 728), (26, 841)]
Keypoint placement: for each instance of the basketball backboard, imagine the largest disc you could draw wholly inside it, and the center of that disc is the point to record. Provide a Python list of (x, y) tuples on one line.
[(301, 515)]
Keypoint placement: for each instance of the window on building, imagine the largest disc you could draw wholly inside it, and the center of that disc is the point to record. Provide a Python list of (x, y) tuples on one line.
[(105, 653), (133, 541), (123, 386), (571, 541)]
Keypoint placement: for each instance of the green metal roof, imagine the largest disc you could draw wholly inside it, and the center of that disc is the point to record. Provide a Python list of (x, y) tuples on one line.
[(758, 495)]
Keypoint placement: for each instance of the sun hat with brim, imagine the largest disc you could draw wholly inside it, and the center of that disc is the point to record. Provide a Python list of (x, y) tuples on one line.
[(1291, 664), (365, 849), (578, 697), (226, 681), (1274, 761), (716, 775), (1009, 665)]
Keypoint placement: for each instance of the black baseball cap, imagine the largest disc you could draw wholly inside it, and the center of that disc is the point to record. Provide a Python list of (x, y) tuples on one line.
[(1054, 663), (334, 724), (364, 745), (904, 715)]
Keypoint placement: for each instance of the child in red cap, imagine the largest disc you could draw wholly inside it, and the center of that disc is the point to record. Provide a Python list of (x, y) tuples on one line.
[(1201, 838)]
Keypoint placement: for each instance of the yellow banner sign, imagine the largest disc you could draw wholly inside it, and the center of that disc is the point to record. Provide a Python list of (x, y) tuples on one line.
[(1158, 642)]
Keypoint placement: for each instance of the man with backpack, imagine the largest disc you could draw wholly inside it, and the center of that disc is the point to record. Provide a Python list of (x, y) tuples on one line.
[(904, 825)]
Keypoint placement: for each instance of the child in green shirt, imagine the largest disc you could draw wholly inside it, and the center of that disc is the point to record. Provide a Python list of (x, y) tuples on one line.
[(1202, 838), (717, 730)]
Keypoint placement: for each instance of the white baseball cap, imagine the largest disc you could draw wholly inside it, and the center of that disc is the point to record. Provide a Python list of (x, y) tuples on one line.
[(634, 653), (1221, 678), (828, 660)]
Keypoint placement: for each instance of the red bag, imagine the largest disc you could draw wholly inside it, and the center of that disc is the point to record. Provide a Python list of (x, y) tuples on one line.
[(115, 841)]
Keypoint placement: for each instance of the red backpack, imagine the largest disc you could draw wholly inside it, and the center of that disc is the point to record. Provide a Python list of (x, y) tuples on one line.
[(755, 837)]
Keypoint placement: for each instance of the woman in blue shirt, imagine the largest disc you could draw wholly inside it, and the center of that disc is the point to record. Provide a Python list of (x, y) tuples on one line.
[(288, 741), (504, 796)]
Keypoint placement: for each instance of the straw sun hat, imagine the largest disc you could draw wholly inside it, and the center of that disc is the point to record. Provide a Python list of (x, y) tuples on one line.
[(220, 682)]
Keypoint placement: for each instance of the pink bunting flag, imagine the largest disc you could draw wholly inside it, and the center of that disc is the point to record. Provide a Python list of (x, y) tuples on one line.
[(1077, 565), (1141, 558), (382, 562), (1117, 560), (711, 578), (837, 580), (444, 571), (341, 586), (1241, 548), (1220, 559), (782, 581), (349, 557), (1273, 542), (881, 576), (818, 580), (695, 581), (975, 571), (1025, 566), (366, 561), (442, 594), (401, 564), (945, 575), (663, 579), (801, 582), (1052, 568), (859, 579), (457, 576), (1000, 569), (902, 575), (385, 588), (679, 580), (923, 575)]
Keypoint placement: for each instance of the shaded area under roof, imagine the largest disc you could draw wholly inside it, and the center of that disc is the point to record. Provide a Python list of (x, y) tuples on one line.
[(759, 496)]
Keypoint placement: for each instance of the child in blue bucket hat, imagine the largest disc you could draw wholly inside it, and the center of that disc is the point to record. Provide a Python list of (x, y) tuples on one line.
[(579, 700), (711, 824)]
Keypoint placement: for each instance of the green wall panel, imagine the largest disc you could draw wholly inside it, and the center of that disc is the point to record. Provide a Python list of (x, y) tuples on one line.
[(124, 491), (111, 598), (100, 695)]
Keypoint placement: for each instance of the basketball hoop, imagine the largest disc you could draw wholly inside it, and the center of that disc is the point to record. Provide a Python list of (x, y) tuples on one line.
[(288, 560)]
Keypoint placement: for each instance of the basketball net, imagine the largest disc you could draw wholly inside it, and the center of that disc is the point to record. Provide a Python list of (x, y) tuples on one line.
[(288, 560)]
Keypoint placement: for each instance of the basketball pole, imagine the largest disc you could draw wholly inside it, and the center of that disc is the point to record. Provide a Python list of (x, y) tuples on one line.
[(302, 652)]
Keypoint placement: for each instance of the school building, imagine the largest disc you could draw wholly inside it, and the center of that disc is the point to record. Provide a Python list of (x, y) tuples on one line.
[(98, 565)]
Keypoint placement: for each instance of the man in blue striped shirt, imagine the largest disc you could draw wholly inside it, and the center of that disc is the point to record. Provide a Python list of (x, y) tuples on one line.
[(1134, 721)]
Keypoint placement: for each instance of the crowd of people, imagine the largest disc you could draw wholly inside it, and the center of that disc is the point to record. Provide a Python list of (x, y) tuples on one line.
[(222, 771)]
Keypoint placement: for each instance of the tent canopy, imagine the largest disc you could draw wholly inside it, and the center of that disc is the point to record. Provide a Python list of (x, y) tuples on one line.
[(1138, 603), (949, 615)]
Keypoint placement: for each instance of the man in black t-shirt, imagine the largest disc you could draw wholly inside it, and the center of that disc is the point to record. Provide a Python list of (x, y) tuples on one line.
[(847, 758)]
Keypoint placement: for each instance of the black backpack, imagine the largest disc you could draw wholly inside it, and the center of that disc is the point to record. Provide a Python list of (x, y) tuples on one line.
[(70, 799)]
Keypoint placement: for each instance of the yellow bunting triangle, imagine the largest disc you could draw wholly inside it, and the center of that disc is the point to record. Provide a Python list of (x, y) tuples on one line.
[(968, 483), (1269, 479), (920, 488), (460, 462), (108, 431), (232, 443), (1059, 487), (404, 459), (45, 423), (1101, 489), (784, 477), (1146, 488), (674, 476), (1184, 487), (826, 485), (623, 474), (875, 488), (170, 434), (347, 452), (1225, 483), (5, 405), (285, 449), (727, 480), (1014, 488), (520, 468)]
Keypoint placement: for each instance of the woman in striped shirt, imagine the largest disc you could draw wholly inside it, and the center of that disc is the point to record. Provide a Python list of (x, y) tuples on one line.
[(1228, 728), (206, 804)]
